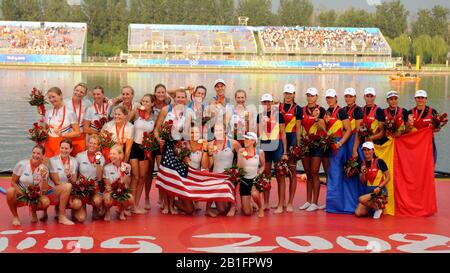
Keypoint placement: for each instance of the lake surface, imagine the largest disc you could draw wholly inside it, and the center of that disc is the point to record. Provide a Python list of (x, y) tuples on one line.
[(16, 116)]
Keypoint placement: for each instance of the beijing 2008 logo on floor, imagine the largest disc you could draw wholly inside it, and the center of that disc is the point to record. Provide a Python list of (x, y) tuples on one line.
[(34, 241)]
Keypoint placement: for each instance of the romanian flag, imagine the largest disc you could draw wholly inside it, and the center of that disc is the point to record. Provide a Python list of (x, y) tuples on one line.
[(411, 190)]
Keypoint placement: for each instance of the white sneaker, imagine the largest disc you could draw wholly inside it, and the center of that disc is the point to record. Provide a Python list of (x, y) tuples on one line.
[(377, 214), (313, 207), (305, 206), (322, 207)]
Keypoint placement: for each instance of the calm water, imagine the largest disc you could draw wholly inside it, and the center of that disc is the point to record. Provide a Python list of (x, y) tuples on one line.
[(16, 116)]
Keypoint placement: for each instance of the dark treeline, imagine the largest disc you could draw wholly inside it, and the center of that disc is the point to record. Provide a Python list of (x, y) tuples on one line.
[(108, 20)]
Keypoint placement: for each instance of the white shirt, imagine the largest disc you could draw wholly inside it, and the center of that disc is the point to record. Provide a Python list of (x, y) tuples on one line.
[(94, 113), (122, 134), (178, 123), (112, 172), (61, 119), (223, 158), (26, 176), (141, 126), (251, 166), (85, 104), (196, 159), (56, 166), (85, 167)]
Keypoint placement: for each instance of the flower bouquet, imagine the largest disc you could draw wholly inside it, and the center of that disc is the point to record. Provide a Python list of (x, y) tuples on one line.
[(181, 151), (37, 99), (379, 200), (439, 121), (391, 126), (351, 167), (328, 142), (149, 144), (235, 174), (106, 143), (298, 152), (262, 182), (30, 195), (364, 132), (312, 141), (38, 133), (100, 123), (282, 169), (165, 133), (83, 189), (119, 191)]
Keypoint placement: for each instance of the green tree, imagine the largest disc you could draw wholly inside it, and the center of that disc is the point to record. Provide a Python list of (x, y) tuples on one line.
[(422, 23), (76, 14), (158, 11), (327, 18), (55, 10), (295, 12), (438, 49), (440, 21), (404, 45), (391, 18), (137, 12), (224, 12), (355, 18), (117, 23), (259, 11), (422, 46), (28, 10), (432, 22), (96, 19), (10, 10)]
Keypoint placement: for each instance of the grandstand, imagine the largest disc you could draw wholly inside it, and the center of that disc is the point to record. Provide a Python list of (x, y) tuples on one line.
[(42, 42), (246, 46), (191, 39), (324, 41)]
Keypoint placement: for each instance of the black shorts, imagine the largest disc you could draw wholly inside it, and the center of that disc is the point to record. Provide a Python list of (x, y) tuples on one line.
[(245, 187), (137, 152)]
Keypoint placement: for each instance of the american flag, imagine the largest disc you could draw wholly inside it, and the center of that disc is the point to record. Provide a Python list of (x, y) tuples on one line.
[(175, 178)]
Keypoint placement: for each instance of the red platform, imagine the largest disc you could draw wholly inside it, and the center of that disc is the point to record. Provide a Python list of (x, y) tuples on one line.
[(299, 231)]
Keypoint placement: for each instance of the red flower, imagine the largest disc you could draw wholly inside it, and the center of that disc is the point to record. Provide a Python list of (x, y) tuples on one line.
[(181, 151), (37, 133), (282, 169), (235, 174), (439, 121)]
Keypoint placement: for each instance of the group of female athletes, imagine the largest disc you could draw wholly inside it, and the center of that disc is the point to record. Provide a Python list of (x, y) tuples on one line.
[(219, 133)]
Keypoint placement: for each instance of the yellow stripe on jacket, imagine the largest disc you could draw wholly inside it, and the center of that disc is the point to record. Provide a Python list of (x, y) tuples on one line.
[(274, 133)]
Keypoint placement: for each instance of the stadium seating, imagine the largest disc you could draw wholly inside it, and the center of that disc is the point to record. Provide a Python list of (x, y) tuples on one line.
[(43, 38), (191, 39), (316, 40)]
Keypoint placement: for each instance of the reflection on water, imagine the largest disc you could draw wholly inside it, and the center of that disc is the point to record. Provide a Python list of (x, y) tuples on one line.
[(16, 116)]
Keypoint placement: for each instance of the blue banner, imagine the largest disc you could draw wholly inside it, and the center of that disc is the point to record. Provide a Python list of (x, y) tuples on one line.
[(37, 58), (260, 64)]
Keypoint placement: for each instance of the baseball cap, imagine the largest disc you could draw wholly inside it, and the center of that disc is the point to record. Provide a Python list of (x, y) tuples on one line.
[(289, 88), (330, 93), (266, 97), (251, 135), (219, 81), (350, 91), (370, 91), (368, 145), (421, 93), (391, 93), (312, 91)]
